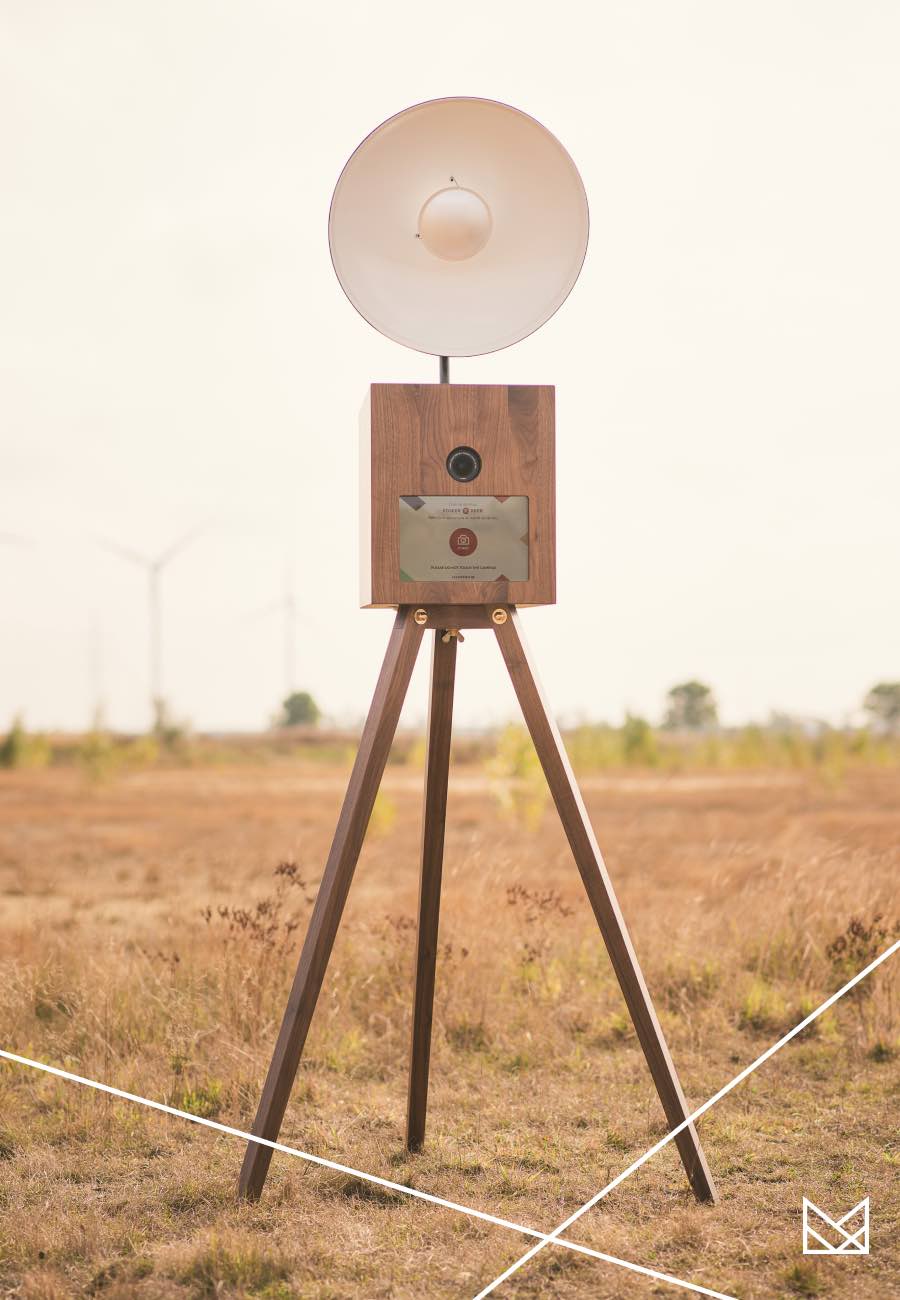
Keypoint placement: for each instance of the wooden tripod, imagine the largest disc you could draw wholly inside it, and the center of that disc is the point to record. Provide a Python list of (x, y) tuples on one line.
[(365, 778)]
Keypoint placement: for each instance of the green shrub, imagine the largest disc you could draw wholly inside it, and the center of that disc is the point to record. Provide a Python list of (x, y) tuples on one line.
[(517, 778), (97, 755), (19, 749), (384, 814), (204, 1100), (639, 744), (763, 1007)]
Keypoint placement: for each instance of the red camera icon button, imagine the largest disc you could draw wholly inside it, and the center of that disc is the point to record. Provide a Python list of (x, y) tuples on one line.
[(463, 541)]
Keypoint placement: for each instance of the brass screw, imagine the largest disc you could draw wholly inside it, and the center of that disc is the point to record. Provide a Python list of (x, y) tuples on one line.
[(421, 617), (499, 617), (450, 633)]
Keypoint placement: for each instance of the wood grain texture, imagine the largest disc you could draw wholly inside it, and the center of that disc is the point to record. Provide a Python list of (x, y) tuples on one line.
[(573, 814), (362, 788), (440, 715), (408, 430)]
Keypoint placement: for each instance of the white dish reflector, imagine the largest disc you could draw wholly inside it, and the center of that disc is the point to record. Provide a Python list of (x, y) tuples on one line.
[(458, 226)]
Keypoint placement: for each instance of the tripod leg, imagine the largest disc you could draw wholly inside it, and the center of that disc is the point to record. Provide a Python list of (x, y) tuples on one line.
[(351, 828), (440, 711), (573, 815)]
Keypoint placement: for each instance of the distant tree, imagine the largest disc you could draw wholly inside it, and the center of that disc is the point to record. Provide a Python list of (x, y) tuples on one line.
[(299, 709), (883, 706), (13, 745), (691, 707)]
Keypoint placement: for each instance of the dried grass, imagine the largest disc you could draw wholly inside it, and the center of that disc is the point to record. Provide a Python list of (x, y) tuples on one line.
[(149, 928)]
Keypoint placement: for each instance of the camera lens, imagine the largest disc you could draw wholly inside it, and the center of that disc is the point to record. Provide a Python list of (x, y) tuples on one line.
[(464, 464)]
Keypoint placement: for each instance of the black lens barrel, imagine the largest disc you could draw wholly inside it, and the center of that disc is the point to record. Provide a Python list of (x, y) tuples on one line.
[(464, 464)]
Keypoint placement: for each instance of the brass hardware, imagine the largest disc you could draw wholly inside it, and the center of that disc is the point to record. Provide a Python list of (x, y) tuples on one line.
[(451, 633), (421, 617), (499, 617)]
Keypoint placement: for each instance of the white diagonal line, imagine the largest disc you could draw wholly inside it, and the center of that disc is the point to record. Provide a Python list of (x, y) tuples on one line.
[(357, 1173), (679, 1128), (276, 1146), (838, 1224), (639, 1268), (848, 1245), (829, 1249), (852, 1244), (850, 1213), (542, 1239), (826, 1218)]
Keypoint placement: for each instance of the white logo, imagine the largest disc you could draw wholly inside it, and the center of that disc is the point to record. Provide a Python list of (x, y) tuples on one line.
[(846, 1236)]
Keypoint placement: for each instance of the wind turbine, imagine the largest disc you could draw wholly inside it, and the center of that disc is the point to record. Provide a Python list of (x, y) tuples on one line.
[(287, 604), (95, 673), (153, 566)]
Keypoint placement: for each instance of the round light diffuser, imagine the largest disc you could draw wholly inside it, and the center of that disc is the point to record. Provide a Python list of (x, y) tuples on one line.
[(458, 226)]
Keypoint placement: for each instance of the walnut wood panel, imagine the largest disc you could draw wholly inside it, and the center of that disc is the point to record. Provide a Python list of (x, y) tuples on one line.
[(573, 815), (362, 788), (408, 432), (440, 714)]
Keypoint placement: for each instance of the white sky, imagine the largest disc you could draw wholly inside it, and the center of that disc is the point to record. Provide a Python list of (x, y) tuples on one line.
[(175, 349)]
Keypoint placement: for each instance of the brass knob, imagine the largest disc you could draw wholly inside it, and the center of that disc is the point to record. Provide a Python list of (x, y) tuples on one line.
[(499, 617), (421, 617)]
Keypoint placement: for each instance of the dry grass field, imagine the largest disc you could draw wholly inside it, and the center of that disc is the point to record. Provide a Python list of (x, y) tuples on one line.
[(148, 938)]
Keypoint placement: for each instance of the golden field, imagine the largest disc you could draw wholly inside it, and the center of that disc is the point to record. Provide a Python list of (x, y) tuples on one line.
[(148, 934)]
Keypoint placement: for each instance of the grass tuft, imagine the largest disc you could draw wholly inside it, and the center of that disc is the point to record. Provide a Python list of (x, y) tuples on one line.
[(221, 1266), (803, 1279), (468, 1036), (763, 1008), (204, 1100)]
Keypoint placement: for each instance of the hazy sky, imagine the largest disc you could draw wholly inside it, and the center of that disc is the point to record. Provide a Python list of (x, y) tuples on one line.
[(175, 349)]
